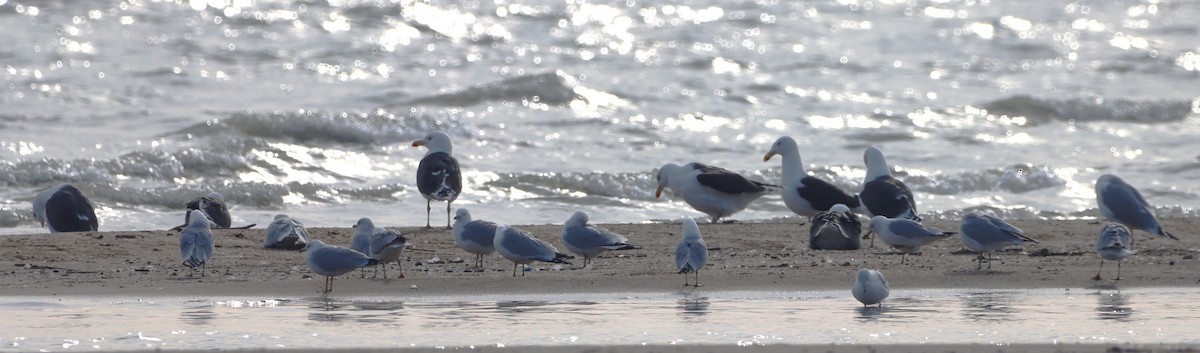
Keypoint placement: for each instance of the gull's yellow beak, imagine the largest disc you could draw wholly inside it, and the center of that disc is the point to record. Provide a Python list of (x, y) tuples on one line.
[(768, 156), (658, 193), (418, 143)]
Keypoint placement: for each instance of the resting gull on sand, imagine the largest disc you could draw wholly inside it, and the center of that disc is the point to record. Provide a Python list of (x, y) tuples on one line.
[(905, 235), (986, 234), (522, 248), (715, 191), (585, 240), (474, 236), (63, 208), (1121, 203), (802, 193)]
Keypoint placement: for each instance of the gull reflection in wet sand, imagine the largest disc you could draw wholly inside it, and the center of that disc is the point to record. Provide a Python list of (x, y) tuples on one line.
[(693, 309), (198, 313), (366, 311), (990, 306), (1113, 306)]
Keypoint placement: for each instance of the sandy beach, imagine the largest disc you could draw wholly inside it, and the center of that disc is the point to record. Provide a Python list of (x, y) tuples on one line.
[(745, 256)]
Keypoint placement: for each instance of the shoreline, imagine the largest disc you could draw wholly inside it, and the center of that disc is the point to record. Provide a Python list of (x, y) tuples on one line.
[(744, 256)]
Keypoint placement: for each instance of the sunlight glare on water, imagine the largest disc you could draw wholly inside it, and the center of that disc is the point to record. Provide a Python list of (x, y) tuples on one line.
[(1148, 315)]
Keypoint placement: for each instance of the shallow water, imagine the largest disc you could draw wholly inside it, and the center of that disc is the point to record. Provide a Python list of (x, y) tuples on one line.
[(307, 107), (1144, 315)]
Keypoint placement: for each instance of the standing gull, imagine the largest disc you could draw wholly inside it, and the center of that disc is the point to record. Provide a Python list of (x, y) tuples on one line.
[(438, 175), (1113, 245), (62, 208), (1121, 203), (802, 193), (196, 245), (835, 229), (213, 208), (285, 233), (905, 235), (882, 194), (588, 241), (361, 241), (522, 248), (986, 234), (387, 246), (715, 191), (691, 254), (870, 287), (332, 260), (477, 237)]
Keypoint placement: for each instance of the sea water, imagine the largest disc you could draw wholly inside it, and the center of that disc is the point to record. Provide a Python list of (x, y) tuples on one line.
[(1044, 316), (309, 107)]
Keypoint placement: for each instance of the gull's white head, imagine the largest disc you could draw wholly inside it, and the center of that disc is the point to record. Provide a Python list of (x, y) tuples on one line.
[(864, 275), (839, 208), (196, 218), (877, 223), (216, 196), (364, 224), (876, 164), (577, 219), (690, 229), (664, 177), (436, 141), (784, 146)]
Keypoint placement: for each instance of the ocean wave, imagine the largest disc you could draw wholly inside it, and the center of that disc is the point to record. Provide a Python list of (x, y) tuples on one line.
[(319, 128), (635, 186), (1019, 178), (1042, 110), (552, 88)]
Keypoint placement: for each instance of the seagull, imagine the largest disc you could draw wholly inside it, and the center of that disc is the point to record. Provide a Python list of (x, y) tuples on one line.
[(588, 241), (213, 208), (196, 245), (438, 175), (986, 234), (835, 229), (285, 233), (387, 246), (870, 287), (802, 193), (905, 235), (1113, 245), (715, 191), (520, 247), (474, 236), (62, 208), (1121, 203), (361, 241), (882, 194), (691, 254), (331, 261)]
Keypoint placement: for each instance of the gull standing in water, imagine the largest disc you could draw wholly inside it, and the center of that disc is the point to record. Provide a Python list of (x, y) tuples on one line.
[(522, 248), (477, 237), (870, 287), (438, 175), (285, 233), (196, 243), (1113, 245), (62, 208), (835, 229), (905, 235), (585, 240), (387, 246), (1121, 203), (715, 191), (986, 234), (804, 194), (691, 254), (331, 261)]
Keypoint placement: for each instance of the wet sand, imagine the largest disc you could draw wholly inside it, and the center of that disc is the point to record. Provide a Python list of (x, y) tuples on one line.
[(900, 348)]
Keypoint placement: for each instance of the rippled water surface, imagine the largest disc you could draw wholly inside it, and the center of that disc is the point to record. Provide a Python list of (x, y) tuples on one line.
[(308, 107), (1159, 315)]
